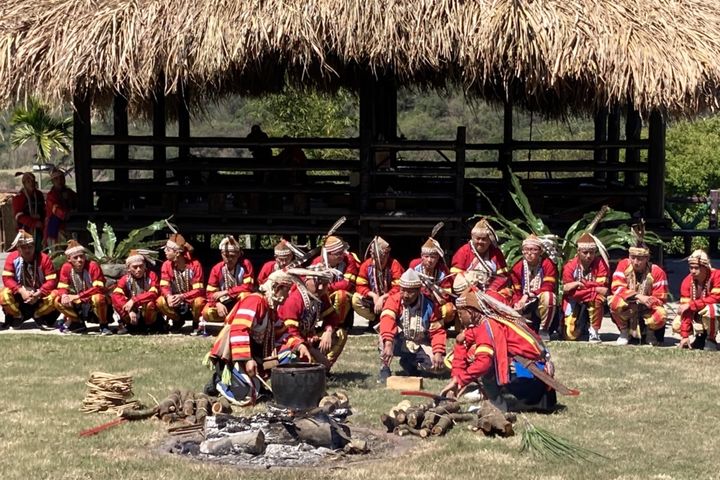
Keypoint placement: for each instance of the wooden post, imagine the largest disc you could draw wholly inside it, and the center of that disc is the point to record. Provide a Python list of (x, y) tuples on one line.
[(158, 124), (366, 153), (183, 121), (82, 151), (506, 154), (120, 129), (633, 128), (656, 169), (460, 170), (613, 135), (713, 220), (600, 154)]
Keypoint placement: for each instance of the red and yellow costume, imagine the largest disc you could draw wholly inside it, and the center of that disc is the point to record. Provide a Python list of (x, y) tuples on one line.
[(29, 211), (703, 309), (341, 290), (89, 285), (441, 277), (595, 276), (367, 281), (144, 294), (238, 283), (38, 275), (187, 282), (59, 202), (627, 283), (537, 282)]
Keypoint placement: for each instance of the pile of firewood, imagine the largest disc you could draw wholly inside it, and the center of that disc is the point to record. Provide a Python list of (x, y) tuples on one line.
[(436, 419), (108, 393)]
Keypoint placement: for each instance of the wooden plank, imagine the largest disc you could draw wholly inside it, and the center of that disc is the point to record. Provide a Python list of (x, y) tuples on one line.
[(633, 129), (158, 127), (120, 128), (613, 136), (404, 383), (656, 160), (82, 153), (600, 155), (225, 142), (228, 164), (460, 169)]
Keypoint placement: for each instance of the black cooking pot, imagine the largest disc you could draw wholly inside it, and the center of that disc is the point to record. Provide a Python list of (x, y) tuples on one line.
[(298, 385)]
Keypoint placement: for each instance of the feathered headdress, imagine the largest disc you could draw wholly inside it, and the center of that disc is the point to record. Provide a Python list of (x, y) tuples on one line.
[(639, 248), (431, 245)]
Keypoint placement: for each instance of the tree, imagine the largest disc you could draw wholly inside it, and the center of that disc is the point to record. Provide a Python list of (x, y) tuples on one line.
[(49, 133)]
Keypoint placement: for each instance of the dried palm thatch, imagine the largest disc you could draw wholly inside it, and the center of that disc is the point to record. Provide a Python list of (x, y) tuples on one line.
[(108, 393), (552, 55)]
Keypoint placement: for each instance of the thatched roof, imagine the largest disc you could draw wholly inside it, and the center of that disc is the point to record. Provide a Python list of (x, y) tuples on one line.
[(554, 55)]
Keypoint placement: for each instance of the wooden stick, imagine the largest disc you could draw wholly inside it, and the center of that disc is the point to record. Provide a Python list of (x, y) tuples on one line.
[(95, 430)]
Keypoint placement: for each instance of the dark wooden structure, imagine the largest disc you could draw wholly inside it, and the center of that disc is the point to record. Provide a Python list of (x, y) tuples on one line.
[(377, 191)]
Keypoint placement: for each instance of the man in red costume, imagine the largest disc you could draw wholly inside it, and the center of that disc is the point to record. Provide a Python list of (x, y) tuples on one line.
[(534, 281), (378, 277), (639, 292), (585, 286), (182, 291), (492, 350), (699, 304), (283, 257), (29, 209), (29, 279), (335, 255), (411, 328), (246, 340), (230, 280), (135, 295), (80, 294), (482, 256), (60, 202), (438, 282)]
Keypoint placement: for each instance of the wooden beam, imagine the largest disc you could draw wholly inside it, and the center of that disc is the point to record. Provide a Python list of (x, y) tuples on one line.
[(158, 127), (633, 129), (613, 136), (120, 129), (656, 172), (184, 122), (82, 151), (460, 170), (506, 151), (366, 130), (600, 155)]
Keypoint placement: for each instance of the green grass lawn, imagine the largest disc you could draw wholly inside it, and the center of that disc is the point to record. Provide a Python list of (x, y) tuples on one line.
[(652, 411)]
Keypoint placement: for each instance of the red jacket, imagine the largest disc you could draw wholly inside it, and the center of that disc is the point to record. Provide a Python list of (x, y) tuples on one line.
[(93, 281), (442, 274), (465, 259), (46, 278), (147, 291), (247, 321), (243, 278), (196, 286), (58, 205), (366, 277), (299, 325), (548, 272), (23, 206), (658, 281), (598, 278), (481, 351), (391, 315), (709, 296), (266, 270), (349, 266)]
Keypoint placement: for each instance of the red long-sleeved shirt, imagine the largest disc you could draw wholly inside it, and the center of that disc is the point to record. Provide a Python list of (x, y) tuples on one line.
[(350, 267), (549, 274), (392, 312), (243, 279), (122, 292), (659, 286), (465, 259), (709, 297), (92, 278), (298, 329), (196, 285), (46, 280), (586, 292), (366, 278)]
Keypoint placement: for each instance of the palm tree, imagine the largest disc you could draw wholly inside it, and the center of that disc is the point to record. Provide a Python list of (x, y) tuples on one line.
[(37, 123)]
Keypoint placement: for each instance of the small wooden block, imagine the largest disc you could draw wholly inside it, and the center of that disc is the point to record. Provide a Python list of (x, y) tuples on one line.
[(404, 383)]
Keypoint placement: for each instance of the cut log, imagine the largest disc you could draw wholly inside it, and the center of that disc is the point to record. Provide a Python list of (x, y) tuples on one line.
[(430, 420), (169, 405), (202, 408), (442, 426), (404, 383), (402, 430), (400, 407), (139, 414), (189, 405), (318, 431), (389, 422), (221, 405), (248, 442), (492, 421)]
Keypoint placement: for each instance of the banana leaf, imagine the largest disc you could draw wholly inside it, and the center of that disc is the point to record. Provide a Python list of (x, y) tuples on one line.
[(96, 243), (108, 240), (518, 195), (137, 236)]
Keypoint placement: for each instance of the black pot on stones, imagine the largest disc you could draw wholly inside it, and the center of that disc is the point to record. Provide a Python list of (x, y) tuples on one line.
[(298, 386)]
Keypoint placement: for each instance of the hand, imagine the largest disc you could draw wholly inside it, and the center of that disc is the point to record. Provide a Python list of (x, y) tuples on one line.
[(682, 308), (175, 300), (217, 295), (685, 343), (24, 293), (34, 297), (128, 305), (460, 338), (66, 300), (378, 304), (304, 353), (450, 389), (387, 352), (133, 318), (437, 361), (601, 290), (326, 341), (550, 368), (221, 310), (251, 368)]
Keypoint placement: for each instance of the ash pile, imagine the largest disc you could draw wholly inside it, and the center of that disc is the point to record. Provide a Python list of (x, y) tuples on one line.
[(280, 437)]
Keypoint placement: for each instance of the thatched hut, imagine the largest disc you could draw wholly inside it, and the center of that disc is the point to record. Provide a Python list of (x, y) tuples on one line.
[(610, 59)]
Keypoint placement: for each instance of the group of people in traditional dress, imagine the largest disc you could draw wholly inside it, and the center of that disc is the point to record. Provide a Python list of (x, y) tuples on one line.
[(44, 216)]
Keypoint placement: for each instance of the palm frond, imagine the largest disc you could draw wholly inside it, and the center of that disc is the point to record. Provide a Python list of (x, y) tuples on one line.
[(551, 446)]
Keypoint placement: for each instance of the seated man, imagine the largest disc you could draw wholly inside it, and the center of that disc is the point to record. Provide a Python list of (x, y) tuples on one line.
[(246, 340), (378, 277), (494, 350), (335, 255), (438, 282), (534, 281), (29, 279), (134, 298), (80, 294), (230, 280), (483, 255), (309, 320), (639, 292), (182, 292), (283, 257), (585, 279), (29, 209), (411, 328), (699, 304), (60, 202)]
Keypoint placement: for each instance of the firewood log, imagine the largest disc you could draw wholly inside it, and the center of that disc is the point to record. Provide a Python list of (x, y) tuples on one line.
[(442, 426), (189, 405), (139, 414), (429, 420), (202, 408), (249, 442), (492, 421), (221, 405), (389, 422), (403, 430)]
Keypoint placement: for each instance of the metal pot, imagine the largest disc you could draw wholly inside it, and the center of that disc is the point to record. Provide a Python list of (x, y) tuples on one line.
[(298, 385)]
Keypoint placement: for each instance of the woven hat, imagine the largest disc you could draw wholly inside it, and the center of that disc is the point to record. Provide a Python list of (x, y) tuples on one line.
[(73, 248), (57, 173), (533, 241), (410, 279), (282, 249), (483, 228), (699, 258), (22, 238), (382, 245), (178, 242), (280, 277), (639, 248), (134, 257), (468, 299), (586, 242), (229, 244), (432, 246), (334, 244)]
